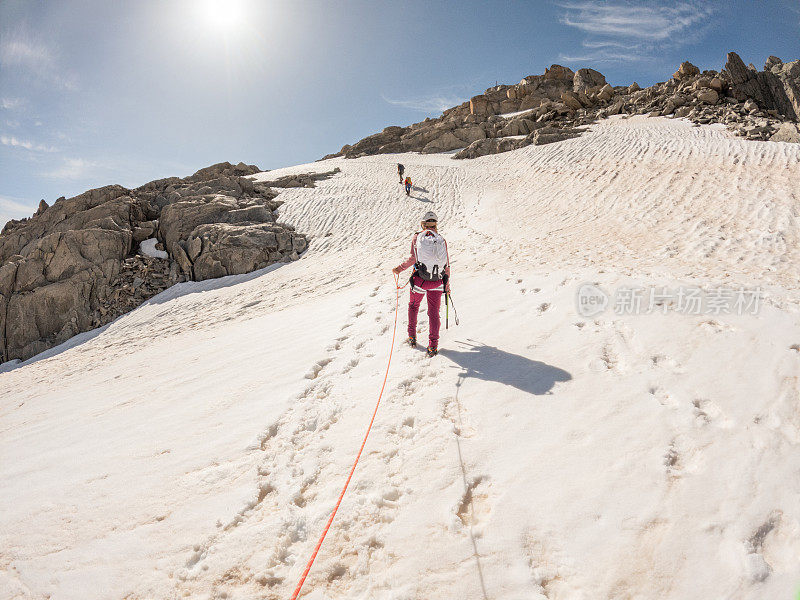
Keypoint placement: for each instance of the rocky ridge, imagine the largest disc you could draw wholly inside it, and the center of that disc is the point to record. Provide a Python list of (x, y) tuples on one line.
[(80, 263), (542, 109)]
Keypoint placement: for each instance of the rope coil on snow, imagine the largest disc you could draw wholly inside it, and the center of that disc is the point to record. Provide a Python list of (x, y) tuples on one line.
[(360, 450)]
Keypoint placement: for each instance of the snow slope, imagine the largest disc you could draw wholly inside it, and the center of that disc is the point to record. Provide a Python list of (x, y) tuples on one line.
[(194, 447)]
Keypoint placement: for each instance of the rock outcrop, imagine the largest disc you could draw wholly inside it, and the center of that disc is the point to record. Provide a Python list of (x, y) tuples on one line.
[(777, 87), (78, 264), (787, 132), (586, 79), (753, 104), (686, 71)]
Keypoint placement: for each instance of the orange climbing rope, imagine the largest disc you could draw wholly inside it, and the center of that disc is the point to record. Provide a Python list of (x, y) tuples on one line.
[(360, 450)]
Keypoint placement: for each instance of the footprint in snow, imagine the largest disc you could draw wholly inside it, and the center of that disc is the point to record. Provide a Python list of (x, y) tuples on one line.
[(317, 367), (608, 360), (671, 460), (662, 361), (474, 507), (566, 280), (716, 326), (336, 571), (456, 415), (707, 412), (407, 386), (317, 390), (350, 365), (663, 397), (267, 435)]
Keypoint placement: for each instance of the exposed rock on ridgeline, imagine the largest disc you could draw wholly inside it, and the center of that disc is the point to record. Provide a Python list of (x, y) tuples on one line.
[(552, 107), (81, 262)]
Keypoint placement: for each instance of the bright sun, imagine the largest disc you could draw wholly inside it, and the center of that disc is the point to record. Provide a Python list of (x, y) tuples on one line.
[(224, 16)]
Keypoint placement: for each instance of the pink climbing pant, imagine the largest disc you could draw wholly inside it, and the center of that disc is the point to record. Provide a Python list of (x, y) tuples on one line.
[(433, 290)]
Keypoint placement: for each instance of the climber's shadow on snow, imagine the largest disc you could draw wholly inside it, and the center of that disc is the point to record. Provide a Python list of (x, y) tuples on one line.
[(493, 364), (420, 197)]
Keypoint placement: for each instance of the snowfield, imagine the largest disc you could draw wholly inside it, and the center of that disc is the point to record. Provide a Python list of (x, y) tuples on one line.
[(196, 446)]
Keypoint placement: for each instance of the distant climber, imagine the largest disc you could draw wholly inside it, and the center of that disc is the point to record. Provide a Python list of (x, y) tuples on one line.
[(408, 186), (400, 169), (430, 278)]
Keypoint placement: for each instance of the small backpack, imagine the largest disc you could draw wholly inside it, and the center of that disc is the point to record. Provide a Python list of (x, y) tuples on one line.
[(431, 253)]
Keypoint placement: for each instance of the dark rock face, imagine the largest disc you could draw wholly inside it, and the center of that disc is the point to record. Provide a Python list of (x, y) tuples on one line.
[(222, 249), (77, 264), (586, 79), (540, 136), (52, 263), (777, 87), (753, 104)]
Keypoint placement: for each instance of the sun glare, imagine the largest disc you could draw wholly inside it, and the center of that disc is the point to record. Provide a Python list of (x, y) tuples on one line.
[(225, 16)]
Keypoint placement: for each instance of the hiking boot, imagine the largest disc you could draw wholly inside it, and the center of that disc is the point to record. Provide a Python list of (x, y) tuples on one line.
[(412, 341), (432, 351)]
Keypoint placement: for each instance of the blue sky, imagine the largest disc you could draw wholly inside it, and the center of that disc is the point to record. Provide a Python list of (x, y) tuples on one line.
[(95, 92)]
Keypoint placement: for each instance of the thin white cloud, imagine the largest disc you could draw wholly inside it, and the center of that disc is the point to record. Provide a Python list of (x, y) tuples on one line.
[(15, 142), (427, 104), (604, 56), (15, 208), (10, 204), (21, 50), (7, 103), (72, 169), (648, 22), (608, 44), (622, 31)]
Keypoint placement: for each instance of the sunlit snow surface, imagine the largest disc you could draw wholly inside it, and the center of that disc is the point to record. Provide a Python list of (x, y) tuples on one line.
[(194, 447)]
